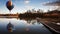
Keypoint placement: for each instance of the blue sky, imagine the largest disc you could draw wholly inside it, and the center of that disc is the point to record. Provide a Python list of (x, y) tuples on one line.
[(22, 6)]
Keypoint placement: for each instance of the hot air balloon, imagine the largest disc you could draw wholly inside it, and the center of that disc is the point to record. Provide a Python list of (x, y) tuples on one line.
[(9, 5)]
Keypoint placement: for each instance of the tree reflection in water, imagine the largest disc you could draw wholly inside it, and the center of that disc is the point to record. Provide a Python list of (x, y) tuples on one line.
[(31, 20)]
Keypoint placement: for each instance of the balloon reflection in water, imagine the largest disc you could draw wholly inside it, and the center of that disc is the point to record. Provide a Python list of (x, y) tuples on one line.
[(10, 27), (9, 5)]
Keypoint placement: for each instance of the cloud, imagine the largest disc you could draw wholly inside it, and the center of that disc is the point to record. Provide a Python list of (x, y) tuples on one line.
[(55, 3), (26, 1), (44, 2)]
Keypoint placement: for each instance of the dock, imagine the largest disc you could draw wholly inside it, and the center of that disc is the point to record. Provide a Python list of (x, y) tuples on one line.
[(51, 24)]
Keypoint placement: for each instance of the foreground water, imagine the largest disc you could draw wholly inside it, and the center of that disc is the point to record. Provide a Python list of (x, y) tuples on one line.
[(23, 26)]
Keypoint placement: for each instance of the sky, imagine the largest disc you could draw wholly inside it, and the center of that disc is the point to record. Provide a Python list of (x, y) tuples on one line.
[(22, 6)]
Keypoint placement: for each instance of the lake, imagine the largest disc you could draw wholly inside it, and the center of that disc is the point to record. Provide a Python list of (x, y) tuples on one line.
[(23, 26)]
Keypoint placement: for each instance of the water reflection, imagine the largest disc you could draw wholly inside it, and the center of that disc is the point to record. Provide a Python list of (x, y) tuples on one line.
[(32, 21), (22, 26), (10, 27)]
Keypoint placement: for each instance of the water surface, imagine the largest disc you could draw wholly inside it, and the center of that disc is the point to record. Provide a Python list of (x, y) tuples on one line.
[(23, 26)]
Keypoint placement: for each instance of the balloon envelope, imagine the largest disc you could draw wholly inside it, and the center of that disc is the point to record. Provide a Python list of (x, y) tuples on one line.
[(9, 5)]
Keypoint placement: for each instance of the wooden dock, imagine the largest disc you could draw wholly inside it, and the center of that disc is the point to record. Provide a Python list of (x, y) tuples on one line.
[(51, 25)]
